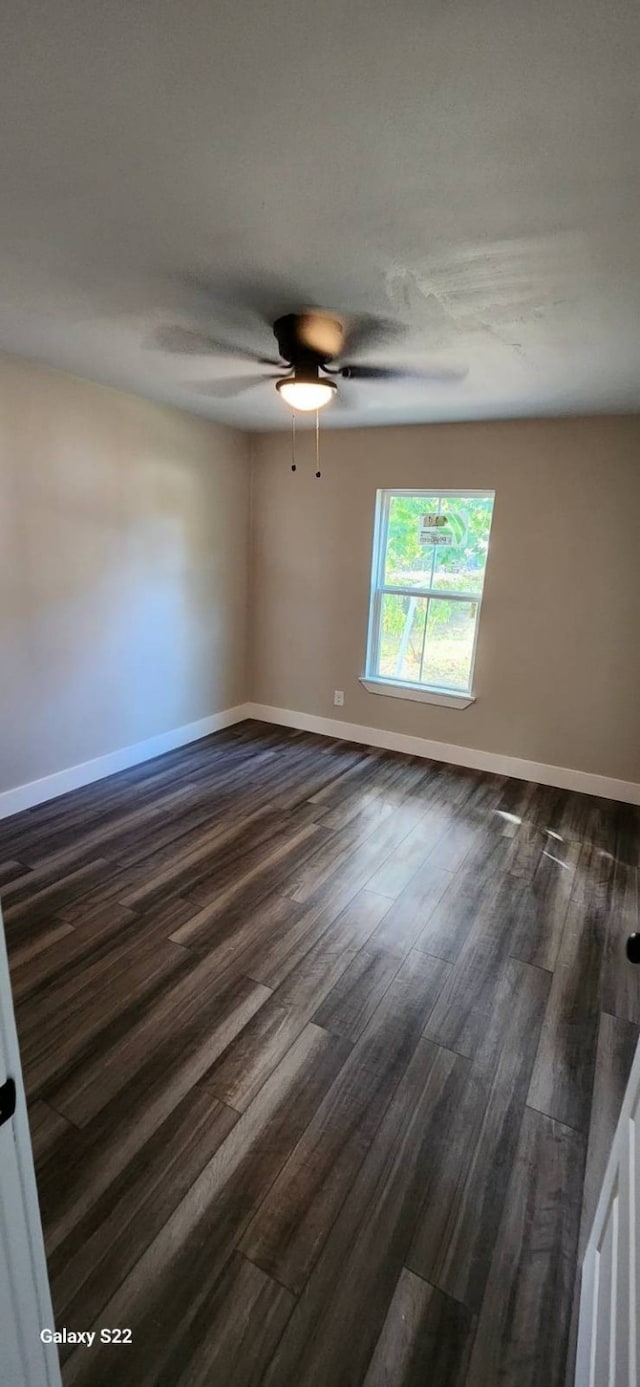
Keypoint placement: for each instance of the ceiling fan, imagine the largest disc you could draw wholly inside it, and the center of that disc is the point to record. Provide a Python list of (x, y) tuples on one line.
[(312, 347)]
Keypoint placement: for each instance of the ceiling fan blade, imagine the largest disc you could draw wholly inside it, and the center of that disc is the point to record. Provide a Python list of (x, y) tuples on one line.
[(230, 386), (368, 331), (442, 374), (186, 341)]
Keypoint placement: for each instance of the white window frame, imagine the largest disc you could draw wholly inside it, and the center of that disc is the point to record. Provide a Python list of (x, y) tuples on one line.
[(397, 688)]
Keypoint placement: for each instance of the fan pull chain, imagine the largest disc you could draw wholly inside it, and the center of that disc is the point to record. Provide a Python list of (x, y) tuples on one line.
[(317, 443), (293, 442)]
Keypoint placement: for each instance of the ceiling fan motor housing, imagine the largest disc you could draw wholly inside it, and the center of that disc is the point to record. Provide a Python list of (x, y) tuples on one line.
[(292, 333)]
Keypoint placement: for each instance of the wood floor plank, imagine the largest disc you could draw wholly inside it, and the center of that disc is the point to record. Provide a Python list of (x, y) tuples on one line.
[(224, 960), (106, 893), (456, 844), (111, 937), (272, 959), (542, 911), (55, 1032), (562, 1080), (50, 886), (306, 985), (627, 834), (82, 840), (576, 819), (253, 886), (449, 786), (87, 1267), (233, 1336), (403, 924), (392, 782), (352, 1001), (395, 873), (455, 1252), (354, 778), (482, 1123), (55, 950), (245, 1065), (426, 1338), (355, 854), (194, 1020), (240, 1072), (460, 1016), (25, 952), (287, 1234), (323, 768), (181, 1267), (235, 932), (451, 921), (142, 1104), (176, 868), (46, 1126), (334, 852), (332, 1333), (252, 851), (528, 846), (197, 818), (517, 796), (102, 802), (523, 1327), (11, 871), (544, 806), (500, 848), (161, 922), (474, 829), (94, 800), (28, 899), (621, 985)]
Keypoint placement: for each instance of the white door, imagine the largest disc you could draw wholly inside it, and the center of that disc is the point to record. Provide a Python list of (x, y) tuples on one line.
[(608, 1350), (25, 1303)]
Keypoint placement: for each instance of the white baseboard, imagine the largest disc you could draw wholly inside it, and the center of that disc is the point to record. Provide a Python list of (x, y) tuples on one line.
[(584, 781), (51, 786), (36, 791)]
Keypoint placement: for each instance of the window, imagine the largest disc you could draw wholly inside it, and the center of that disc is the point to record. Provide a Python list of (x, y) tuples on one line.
[(429, 559)]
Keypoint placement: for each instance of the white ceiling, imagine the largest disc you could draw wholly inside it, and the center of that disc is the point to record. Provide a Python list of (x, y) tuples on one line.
[(467, 169)]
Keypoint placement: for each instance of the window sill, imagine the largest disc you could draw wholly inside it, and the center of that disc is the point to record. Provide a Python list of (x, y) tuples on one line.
[(450, 699)]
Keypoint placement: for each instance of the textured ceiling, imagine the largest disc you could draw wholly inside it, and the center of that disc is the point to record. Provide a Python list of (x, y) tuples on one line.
[(467, 170)]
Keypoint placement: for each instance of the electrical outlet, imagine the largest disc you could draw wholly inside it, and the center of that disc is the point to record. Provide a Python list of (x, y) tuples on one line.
[(338, 698)]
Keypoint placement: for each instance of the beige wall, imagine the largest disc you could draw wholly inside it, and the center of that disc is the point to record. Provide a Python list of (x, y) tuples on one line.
[(123, 569), (123, 577), (558, 659)]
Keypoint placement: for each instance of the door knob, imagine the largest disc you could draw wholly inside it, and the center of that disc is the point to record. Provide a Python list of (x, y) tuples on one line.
[(7, 1101), (633, 948)]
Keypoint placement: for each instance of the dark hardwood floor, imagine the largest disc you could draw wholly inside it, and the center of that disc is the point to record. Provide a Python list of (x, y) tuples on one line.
[(324, 1048)]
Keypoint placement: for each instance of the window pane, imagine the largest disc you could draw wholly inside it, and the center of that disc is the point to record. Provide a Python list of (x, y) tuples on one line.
[(459, 566), (402, 628), (448, 643), (408, 562)]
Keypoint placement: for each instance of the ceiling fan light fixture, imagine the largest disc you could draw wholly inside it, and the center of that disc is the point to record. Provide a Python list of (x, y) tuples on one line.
[(306, 391)]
